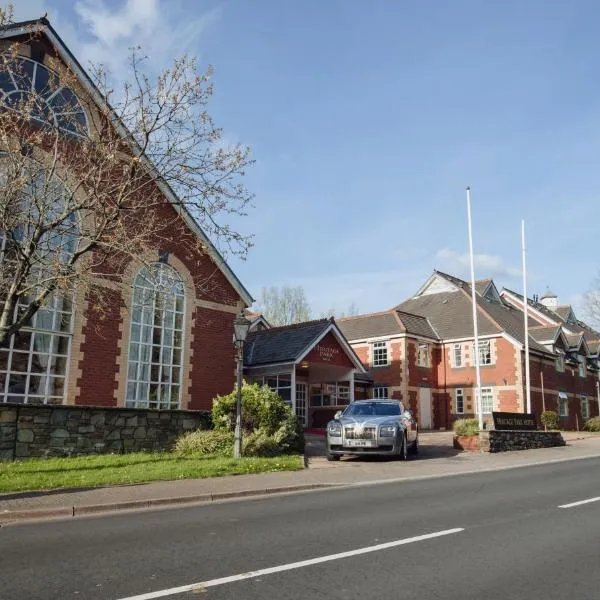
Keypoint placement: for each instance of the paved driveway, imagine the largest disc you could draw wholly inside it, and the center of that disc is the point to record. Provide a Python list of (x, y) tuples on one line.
[(433, 444)]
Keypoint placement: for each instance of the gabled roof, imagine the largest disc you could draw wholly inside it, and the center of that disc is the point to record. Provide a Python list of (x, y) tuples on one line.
[(43, 26), (564, 312), (545, 334), (291, 343)]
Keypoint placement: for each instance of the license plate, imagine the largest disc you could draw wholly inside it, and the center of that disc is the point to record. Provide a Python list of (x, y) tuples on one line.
[(360, 443)]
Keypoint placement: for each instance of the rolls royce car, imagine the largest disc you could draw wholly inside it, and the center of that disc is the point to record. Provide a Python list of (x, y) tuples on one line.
[(378, 426)]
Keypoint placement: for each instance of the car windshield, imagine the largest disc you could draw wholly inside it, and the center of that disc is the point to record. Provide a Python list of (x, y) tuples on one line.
[(373, 409)]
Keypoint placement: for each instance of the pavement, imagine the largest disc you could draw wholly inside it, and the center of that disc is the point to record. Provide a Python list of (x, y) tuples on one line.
[(436, 458)]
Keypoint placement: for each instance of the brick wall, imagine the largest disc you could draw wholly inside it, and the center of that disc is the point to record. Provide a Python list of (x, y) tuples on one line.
[(37, 430)]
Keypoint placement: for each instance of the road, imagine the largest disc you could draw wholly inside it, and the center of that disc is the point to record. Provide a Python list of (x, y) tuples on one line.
[(489, 535)]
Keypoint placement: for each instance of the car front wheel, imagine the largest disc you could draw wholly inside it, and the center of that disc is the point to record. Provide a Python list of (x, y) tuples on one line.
[(333, 457), (404, 449)]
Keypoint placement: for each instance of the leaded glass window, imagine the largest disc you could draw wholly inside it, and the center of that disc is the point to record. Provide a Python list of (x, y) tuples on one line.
[(156, 339)]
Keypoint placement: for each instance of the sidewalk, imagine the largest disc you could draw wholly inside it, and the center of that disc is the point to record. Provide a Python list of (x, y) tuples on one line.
[(436, 458)]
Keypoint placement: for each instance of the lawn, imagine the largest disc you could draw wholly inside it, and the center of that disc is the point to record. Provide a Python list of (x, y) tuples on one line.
[(119, 469)]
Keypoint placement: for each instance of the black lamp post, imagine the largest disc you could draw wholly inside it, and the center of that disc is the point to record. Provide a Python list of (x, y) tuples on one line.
[(241, 326)]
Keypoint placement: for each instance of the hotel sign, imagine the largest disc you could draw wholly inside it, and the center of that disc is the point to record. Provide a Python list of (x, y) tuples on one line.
[(514, 421), (327, 353)]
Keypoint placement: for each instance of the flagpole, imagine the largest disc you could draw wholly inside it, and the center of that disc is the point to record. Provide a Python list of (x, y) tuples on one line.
[(526, 323), (474, 306)]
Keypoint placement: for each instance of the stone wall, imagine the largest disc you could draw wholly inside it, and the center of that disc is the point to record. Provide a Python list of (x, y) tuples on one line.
[(37, 430), (491, 440)]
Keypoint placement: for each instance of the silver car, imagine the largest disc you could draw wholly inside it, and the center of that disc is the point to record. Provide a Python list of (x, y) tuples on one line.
[(379, 427)]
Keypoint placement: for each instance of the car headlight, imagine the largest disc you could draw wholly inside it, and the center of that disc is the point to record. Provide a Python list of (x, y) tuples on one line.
[(387, 430), (334, 429)]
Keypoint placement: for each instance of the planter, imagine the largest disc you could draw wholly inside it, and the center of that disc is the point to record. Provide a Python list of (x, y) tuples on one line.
[(469, 443)]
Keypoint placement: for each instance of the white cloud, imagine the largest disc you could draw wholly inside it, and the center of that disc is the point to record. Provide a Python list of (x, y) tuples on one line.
[(486, 265)]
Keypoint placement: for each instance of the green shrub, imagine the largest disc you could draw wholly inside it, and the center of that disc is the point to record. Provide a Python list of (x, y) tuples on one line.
[(466, 427), (290, 436), (592, 424), (214, 441), (260, 443), (262, 408), (550, 419)]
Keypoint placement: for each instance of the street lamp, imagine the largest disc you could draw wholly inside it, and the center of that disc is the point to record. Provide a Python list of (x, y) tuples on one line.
[(241, 326)]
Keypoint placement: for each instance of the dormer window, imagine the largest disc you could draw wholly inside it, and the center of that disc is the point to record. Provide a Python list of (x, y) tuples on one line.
[(560, 361), (582, 366), (27, 85)]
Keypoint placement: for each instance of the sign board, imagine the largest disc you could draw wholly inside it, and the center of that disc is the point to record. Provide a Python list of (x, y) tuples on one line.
[(329, 351), (514, 421)]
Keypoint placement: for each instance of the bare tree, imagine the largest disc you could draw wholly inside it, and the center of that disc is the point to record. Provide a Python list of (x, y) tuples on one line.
[(285, 305), (89, 186), (332, 312), (591, 303)]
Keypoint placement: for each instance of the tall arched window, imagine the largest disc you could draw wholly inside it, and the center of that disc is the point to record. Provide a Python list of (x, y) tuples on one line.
[(33, 368), (25, 83), (156, 339)]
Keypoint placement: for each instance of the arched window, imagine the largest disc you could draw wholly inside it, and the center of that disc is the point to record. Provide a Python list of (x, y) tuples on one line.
[(155, 358), (33, 368), (25, 82)]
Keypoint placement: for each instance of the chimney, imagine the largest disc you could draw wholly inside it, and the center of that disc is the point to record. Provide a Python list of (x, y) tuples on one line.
[(549, 299)]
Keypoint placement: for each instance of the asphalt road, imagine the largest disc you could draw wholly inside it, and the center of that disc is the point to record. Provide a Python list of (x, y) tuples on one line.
[(493, 535)]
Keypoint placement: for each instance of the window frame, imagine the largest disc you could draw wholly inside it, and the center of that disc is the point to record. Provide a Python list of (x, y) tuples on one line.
[(423, 354), (563, 402), (147, 360), (584, 401), (457, 353), (378, 349), (459, 392), (559, 363), (582, 365), (377, 392), (487, 393), (481, 347)]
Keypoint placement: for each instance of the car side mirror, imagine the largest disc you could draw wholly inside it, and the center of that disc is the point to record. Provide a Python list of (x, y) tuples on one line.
[(407, 414), (338, 414)]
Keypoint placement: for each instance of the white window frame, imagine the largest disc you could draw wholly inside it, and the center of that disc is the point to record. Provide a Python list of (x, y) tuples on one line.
[(487, 400), (563, 405), (423, 355), (585, 414), (459, 401), (457, 357), (152, 367), (560, 361), (381, 353), (485, 352), (381, 392), (279, 382)]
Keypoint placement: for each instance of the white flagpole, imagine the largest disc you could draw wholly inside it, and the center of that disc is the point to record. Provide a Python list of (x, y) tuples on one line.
[(526, 323), (474, 304)]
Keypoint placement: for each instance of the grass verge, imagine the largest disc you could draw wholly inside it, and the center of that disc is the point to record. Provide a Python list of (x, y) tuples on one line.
[(122, 469)]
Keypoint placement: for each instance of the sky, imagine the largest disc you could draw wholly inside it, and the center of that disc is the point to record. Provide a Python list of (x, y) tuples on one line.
[(367, 121)]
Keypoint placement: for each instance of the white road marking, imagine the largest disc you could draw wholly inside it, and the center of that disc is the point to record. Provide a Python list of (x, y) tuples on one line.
[(572, 504), (288, 567)]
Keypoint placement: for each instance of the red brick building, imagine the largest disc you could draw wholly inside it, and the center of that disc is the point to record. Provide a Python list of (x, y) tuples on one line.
[(421, 352), (166, 340)]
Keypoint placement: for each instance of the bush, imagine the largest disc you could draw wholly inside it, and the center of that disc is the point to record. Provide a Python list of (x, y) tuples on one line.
[(290, 435), (214, 441), (262, 408), (260, 443), (592, 424), (550, 419), (466, 427)]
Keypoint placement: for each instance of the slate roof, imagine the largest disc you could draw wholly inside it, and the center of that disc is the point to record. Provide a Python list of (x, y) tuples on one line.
[(563, 311), (282, 344), (417, 325), (481, 285), (370, 325), (544, 333)]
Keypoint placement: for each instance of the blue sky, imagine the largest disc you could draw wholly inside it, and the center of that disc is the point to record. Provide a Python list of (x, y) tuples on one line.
[(368, 119)]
